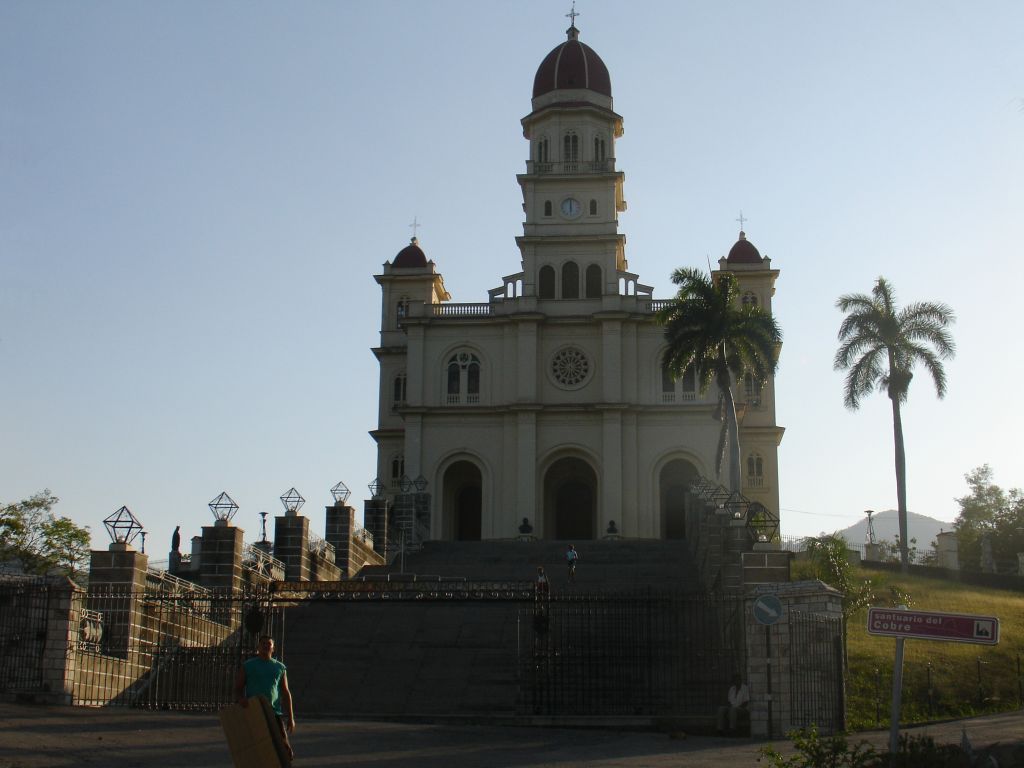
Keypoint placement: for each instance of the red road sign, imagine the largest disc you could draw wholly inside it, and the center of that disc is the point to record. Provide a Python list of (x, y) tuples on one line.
[(957, 627)]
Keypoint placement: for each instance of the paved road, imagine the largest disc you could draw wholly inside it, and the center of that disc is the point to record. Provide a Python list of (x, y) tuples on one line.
[(33, 736)]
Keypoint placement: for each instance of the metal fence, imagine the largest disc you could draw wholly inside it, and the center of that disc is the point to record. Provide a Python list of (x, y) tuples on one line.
[(637, 654), (817, 695), (24, 609), (165, 647)]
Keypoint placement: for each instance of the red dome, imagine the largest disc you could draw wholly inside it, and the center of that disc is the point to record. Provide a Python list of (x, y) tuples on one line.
[(410, 257), (744, 252), (572, 65)]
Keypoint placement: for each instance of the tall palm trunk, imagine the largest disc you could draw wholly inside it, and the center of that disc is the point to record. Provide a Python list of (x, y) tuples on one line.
[(901, 484), (724, 381)]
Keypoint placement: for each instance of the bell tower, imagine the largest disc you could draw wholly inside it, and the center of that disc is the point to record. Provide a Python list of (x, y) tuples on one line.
[(572, 192)]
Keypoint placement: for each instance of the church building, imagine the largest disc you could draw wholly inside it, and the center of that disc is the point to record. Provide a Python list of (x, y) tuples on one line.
[(547, 402)]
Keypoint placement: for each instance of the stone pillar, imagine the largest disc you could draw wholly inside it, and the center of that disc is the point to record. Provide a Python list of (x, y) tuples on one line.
[(291, 545), (873, 552), (339, 525), (947, 548), (220, 561), (60, 650), (375, 519), (766, 565), (812, 597), (117, 586)]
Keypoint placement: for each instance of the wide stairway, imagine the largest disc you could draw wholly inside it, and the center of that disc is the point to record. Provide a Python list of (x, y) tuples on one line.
[(608, 564), (448, 657)]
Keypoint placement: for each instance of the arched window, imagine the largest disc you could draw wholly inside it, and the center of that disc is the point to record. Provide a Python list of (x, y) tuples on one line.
[(570, 150), (463, 377), (689, 383), (679, 390), (593, 282), (542, 150), (570, 280), (755, 470), (749, 299), (752, 390), (547, 207), (599, 150), (402, 308), (397, 470), (593, 207), (547, 282), (399, 390), (668, 386)]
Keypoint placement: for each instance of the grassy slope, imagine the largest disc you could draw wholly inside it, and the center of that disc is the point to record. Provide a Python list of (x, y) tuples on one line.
[(954, 665)]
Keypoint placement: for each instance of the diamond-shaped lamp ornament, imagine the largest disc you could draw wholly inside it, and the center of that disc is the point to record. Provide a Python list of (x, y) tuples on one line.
[(375, 486), (405, 483), (420, 483), (292, 500), (223, 507), (340, 492), (122, 526)]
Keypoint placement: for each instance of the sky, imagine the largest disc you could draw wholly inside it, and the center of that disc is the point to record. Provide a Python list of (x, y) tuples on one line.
[(195, 196)]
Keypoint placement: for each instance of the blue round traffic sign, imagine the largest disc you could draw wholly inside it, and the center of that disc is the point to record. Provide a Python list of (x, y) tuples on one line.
[(767, 609)]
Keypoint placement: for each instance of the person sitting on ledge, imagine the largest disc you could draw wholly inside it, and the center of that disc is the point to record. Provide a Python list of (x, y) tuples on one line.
[(739, 699)]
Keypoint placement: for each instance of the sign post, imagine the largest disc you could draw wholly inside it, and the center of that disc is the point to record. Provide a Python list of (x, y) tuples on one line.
[(767, 610), (902, 623)]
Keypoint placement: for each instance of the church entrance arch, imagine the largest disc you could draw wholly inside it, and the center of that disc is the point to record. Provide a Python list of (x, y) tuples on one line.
[(673, 482), (463, 501), (570, 500)]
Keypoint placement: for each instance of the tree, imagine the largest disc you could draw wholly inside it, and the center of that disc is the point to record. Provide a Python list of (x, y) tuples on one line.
[(989, 511), (880, 345), (32, 535), (709, 332), (828, 559)]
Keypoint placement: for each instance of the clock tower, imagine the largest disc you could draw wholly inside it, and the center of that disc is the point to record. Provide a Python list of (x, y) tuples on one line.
[(572, 192)]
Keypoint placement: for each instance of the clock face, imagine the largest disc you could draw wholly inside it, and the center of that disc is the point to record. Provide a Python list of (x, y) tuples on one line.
[(571, 208)]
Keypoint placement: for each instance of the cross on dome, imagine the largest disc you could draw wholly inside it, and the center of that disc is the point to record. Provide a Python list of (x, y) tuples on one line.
[(571, 15)]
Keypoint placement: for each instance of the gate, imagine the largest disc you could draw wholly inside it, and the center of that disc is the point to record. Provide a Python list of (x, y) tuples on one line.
[(817, 695), (631, 654)]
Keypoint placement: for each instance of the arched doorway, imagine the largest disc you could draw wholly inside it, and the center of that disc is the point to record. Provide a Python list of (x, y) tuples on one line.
[(463, 501), (570, 500), (673, 484)]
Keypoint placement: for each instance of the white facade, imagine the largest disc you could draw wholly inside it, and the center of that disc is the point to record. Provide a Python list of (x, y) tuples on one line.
[(547, 401)]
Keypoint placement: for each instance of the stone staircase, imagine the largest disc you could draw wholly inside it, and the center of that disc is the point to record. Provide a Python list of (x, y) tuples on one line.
[(606, 564)]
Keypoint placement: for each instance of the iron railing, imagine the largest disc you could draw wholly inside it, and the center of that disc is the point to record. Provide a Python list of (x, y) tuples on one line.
[(629, 654)]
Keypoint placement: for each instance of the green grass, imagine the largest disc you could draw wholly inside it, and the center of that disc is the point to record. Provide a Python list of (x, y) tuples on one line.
[(954, 666)]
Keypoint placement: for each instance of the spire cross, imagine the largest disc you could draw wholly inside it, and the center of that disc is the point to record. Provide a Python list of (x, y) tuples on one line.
[(414, 226), (741, 220), (571, 15)]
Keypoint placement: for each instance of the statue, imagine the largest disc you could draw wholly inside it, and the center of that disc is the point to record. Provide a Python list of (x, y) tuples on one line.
[(176, 539), (526, 528)]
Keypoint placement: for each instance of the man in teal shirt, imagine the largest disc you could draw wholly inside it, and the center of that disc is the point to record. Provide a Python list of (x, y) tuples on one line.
[(263, 675)]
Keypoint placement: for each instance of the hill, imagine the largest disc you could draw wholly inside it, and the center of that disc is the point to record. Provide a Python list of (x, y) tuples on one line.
[(887, 528)]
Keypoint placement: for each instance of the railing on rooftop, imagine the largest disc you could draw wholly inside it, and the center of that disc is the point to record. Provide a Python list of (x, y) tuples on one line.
[(571, 166), (258, 561), (317, 546), (166, 582), (461, 310), (364, 536)]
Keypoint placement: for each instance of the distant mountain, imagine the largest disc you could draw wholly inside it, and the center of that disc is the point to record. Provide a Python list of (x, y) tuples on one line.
[(887, 528)]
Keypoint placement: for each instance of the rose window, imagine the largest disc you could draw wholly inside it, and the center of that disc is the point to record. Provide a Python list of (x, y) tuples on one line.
[(570, 368)]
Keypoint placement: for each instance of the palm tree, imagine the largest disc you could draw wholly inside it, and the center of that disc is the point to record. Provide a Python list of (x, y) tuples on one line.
[(708, 332), (880, 345)]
